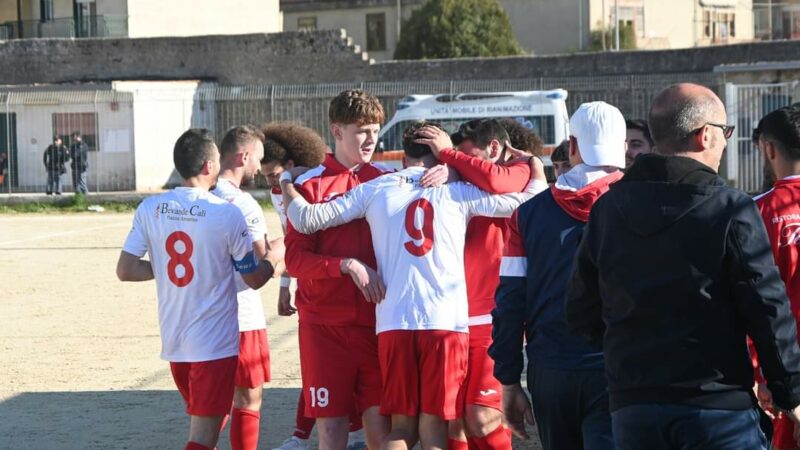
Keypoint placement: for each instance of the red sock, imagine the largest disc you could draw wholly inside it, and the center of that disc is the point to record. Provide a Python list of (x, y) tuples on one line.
[(302, 424), (498, 439), (455, 444), (195, 446), (244, 429)]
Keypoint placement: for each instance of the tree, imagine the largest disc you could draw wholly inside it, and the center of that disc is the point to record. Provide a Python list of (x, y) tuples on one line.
[(457, 29), (607, 40)]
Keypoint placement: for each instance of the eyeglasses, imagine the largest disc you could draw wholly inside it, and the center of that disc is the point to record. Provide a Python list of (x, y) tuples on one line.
[(727, 130)]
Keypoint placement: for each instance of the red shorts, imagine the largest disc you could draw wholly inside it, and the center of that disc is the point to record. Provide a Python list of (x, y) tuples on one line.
[(207, 386), (481, 387), (422, 372), (340, 369), (253, 368), (783, 437)]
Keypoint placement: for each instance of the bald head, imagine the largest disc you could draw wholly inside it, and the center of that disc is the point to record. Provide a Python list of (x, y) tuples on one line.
[(680, 110)]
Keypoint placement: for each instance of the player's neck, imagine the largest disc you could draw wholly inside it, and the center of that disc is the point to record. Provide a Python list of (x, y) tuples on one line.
[(198, 182), (233, 175)]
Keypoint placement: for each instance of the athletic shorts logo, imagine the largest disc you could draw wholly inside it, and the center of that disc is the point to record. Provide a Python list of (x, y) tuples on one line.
[(488, 392)]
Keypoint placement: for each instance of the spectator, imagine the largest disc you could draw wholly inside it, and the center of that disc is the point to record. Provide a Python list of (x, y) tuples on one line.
[(3, 168), (560, 158), (673, 271), (79, 162), (55, 158), (639, 140), (778, 138), (565, 373)]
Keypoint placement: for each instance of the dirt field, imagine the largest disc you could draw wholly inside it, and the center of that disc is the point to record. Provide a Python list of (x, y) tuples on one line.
[(79, 365)]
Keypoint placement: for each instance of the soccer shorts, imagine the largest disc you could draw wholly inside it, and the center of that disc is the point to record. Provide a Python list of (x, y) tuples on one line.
[(253, 367), (340, 370), (480, 386), (422, 371), (783, 435), (207, 386)]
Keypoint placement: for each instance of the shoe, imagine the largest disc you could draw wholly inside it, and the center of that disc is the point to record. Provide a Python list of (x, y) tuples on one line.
[(293, 443), (356, 441)]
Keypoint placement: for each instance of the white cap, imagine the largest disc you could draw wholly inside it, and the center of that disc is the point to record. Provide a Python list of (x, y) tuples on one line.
[(600, 131)]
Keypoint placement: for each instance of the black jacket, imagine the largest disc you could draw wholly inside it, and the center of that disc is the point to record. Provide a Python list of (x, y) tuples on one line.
[(674, 270), (79, 160), (55, 157)]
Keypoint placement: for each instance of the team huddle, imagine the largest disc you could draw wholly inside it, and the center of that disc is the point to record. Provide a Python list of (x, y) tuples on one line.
[(416, 289)]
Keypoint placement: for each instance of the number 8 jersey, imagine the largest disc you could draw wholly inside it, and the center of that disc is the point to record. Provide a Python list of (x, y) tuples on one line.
[(196, 241), (418, 235)]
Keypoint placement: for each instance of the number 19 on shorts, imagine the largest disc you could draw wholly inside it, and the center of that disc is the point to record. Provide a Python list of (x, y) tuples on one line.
[(319, 397)]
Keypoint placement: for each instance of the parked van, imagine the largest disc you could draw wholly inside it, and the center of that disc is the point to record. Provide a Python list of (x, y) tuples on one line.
[(544, 112)]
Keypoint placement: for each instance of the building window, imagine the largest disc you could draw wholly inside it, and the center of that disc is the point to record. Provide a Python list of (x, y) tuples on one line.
[(307, 23), (376, 32), (64, 124), (46, 11)]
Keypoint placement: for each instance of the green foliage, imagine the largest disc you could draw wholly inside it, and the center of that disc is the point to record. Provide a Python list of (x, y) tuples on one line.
[(627, 38), (457, 29)]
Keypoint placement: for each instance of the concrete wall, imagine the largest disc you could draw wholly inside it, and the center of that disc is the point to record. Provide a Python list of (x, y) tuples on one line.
[(151, 18)]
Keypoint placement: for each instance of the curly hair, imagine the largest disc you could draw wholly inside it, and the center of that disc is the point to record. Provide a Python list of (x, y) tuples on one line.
[(285, 141), (521, 137), (356, 106), (411, 148)]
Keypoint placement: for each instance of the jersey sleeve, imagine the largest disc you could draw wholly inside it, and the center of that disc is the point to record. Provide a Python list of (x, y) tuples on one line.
[(488, 176), (136, 242), (480, 203), (309, 218), (508, 316), (256, 222), (240, 244)]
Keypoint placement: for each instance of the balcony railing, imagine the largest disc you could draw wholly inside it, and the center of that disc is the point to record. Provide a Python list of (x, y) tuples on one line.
[(91, 26)]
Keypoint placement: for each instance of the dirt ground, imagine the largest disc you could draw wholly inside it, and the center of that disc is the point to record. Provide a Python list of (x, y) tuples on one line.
[(79, 365)]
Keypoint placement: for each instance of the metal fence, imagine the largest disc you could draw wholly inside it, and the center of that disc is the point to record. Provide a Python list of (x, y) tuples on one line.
[(131, 133)]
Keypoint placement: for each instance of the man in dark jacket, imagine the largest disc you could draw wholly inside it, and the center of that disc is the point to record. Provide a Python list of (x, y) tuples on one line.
[(55, 157), (79, 162), (565, 373), (674, 270)]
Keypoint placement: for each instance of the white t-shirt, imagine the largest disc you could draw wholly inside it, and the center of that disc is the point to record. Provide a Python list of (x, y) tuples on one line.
[(195, 240), (418, 235), (280, 208), (251, 310)]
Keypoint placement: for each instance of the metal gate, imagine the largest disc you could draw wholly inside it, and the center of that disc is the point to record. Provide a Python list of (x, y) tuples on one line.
[(746, 105)]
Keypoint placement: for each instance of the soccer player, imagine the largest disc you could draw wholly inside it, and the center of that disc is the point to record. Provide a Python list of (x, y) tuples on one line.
[(565, 373), (422, 322), (338, 348), (240, 154), (195, 241), (287, 145), (481, 159), (778, 138)]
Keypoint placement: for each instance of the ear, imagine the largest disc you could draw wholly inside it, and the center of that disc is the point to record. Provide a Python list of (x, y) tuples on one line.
[(769, 151), (494, 149), (336, 131), (405, 162), (289, 165), (702, 138), (573, 147), (206, 168)]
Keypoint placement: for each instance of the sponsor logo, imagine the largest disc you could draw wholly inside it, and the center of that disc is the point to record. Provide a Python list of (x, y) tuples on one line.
[(488, 392), (330, 196), (194, 211), (790, 235), (786, 218)]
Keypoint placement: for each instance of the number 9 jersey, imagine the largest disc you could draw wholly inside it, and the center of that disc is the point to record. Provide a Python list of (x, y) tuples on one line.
[(196, 241)]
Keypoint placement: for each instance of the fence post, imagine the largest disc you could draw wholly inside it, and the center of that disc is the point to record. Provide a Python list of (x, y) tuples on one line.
[(98, 139), (732, 155)]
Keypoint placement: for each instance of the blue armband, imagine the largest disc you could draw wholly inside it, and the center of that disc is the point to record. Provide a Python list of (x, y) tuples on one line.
[(247, 264)]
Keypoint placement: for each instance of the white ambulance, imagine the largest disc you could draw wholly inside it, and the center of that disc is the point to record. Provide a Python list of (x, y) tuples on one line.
[(544, 112)]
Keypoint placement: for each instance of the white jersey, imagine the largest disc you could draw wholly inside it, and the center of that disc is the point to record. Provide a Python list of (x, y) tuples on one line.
[(195, 240), (280, 208), (251, 310), (418, 235)]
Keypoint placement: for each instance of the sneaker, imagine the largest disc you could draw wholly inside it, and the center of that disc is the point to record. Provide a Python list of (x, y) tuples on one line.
[(293, 443), (356, 441)]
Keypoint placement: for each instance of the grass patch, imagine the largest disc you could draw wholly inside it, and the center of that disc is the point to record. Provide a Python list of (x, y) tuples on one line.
[(73, 204)]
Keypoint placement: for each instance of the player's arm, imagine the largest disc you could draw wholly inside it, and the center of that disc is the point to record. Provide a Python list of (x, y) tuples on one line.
[(309, 218), (254, 271), (480, 203), (761, 300), (490, 177), (508, 330), (582, 303), (133, 268)]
